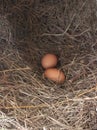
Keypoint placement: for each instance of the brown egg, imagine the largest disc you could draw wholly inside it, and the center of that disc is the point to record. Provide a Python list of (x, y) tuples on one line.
[(54, 75), (49, 61)]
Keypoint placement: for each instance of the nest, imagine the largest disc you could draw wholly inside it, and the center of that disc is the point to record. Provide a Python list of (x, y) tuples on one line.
[(28, 30)]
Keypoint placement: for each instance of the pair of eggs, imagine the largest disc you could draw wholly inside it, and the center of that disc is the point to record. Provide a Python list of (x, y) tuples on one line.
[(49, 61)]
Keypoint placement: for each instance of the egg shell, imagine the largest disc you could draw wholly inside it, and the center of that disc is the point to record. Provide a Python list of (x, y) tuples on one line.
[(54, 75), (49, 61)]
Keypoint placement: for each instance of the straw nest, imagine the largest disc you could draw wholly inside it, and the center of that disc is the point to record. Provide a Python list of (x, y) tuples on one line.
[(28, 30)]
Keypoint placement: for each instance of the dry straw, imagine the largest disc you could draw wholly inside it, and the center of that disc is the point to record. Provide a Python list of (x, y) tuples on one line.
[(28, 30)]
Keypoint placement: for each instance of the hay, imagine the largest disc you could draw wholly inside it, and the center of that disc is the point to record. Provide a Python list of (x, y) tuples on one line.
[(28, 30)]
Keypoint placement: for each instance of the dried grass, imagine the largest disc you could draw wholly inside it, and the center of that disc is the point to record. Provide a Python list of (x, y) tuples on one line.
[(28, 30)]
